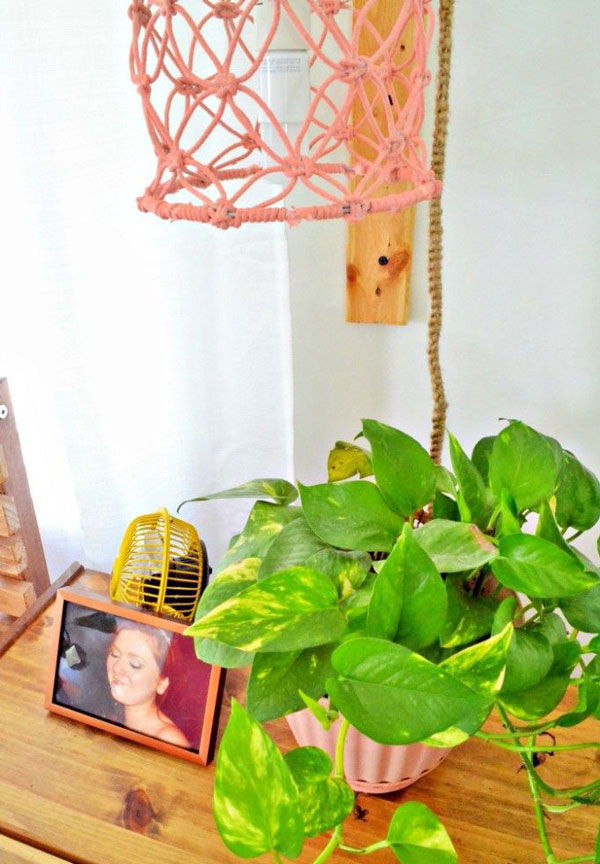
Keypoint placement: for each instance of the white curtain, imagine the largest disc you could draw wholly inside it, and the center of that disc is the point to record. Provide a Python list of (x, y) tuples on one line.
[(148, 361)]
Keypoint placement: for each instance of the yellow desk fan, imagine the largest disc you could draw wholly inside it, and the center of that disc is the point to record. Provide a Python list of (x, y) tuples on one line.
[(161, 566)]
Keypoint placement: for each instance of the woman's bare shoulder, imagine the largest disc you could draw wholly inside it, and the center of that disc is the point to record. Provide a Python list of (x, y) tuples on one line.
[(172, 735)]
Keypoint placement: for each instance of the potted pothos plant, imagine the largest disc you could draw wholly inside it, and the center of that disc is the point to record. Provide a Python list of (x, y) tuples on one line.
[(408, 604)]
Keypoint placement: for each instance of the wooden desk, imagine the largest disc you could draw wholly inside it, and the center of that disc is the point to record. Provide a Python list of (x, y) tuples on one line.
[(70, 793)]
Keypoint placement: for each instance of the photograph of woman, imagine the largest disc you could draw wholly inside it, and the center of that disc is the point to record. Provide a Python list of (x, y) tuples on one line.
[(135, 665), (132, 674)]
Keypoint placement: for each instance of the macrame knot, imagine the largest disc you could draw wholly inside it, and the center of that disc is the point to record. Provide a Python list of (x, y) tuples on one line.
[(395, 145), (249, 143), (355, 209), (144, 85), (223, 84), (421, 78), (168, 7), (342, 132), (298, 167), (175, 160), (187, 87), (224, 9), (332, 7), (221, 214), (293, 218), (387, 72), (139, 10), (354, 68)]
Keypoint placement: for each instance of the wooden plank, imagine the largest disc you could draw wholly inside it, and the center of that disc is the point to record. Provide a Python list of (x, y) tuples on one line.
[(17, 486), (3, 467), (379, 248), (9, 518), (13, 852), (13, 557), (96, 799), (16, 595), (10, 633)]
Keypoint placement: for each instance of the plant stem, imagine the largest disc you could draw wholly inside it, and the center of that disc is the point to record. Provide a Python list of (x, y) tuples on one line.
[(277, 857), (331, 846), (544, 748), (573, 635), (519, 731), (368, 850), (561, 808), (535, 794), (579, 860), (493, 517), (336, 837), (570, 792), (339, 748)]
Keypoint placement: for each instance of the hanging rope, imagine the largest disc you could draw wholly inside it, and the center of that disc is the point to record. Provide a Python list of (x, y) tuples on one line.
[(438, 159)]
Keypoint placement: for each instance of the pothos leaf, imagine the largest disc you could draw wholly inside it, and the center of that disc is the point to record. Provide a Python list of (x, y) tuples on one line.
[(324, 801), (256, 801), (416, 836), (228, 583), (288, 611), (346, 460), (280, 491)]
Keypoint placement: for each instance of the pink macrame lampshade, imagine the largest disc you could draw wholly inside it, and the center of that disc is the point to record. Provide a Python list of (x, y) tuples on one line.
[(225, 157)]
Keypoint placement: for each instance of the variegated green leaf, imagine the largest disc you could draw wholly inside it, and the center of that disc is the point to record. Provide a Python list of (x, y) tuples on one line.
[(468, 618), (280, 491), (539, 568), (325, 801), (256, 802), (264, 524), (480, 457), (535, 703), (346, 460), (455, 546), (395, 696), (276, 678), (228, 583), (409, 602), (523, 462), (297, 544), (577, 496), (481, 667), (530, 659), (325, 717), (405, 473), (351, 515), (288, 611), (474, 499), (416, 836)]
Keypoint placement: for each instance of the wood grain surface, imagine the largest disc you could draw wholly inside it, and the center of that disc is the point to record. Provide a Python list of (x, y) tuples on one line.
[(13, 852), (379, 247), (91, 798)]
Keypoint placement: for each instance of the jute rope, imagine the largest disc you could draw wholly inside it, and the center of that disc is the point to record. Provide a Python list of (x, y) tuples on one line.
[(438, 159)]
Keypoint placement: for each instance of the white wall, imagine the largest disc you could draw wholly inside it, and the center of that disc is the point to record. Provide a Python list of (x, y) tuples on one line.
[(151, 361), (521, 265)]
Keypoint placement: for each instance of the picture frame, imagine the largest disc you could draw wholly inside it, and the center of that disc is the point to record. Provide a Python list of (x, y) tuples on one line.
[(133, 674)]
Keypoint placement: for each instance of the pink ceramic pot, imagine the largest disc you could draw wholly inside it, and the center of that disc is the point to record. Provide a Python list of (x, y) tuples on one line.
[(370, 767)]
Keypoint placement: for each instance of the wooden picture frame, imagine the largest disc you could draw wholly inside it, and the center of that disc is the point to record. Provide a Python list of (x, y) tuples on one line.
[(105, 660)]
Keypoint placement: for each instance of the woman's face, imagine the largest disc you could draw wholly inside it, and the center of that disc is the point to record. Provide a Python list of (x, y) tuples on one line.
[(133, 672)]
